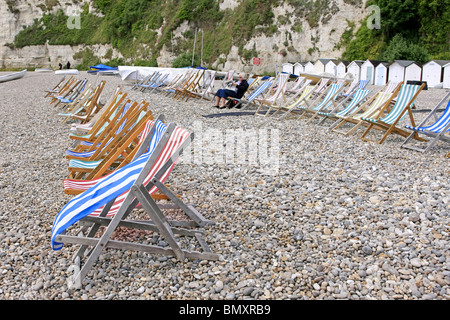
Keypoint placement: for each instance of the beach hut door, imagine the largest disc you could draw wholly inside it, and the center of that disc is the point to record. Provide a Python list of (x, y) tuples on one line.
[(370, 75)]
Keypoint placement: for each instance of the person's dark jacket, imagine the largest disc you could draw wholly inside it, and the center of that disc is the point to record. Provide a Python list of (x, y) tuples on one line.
[(241, 88)]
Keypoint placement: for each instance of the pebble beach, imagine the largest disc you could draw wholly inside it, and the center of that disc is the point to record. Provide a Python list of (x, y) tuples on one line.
[(336, 218)]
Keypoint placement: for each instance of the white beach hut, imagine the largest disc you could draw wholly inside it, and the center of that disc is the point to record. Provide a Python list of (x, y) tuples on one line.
[(341, 69), (308, 67), (404, 70), (331, 67), (433, 72), (381, 74), (319, 65), (288, 67), (354, 68), (368, 70), (298, 68), (413, 72), (446, 77)]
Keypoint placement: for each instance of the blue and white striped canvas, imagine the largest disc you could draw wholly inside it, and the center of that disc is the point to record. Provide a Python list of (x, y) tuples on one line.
[(439, 125), (104, 191)]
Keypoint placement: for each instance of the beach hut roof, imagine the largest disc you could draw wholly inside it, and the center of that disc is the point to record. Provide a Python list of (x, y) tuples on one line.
[(442, 63), (375, 63), (403, 63)]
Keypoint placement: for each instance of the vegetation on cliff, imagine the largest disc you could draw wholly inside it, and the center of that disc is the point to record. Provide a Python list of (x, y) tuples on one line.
[(140, 29)]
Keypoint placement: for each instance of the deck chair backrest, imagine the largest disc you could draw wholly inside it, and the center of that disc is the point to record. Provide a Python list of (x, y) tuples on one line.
[(321, 85), (391, 86), (356, 100), (404, 98), (260, 90), (375, 105), (280, 88)]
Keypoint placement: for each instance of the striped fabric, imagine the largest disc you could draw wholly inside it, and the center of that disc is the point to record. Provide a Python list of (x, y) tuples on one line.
[(303, 97), (326, 102), (439, 125), (357, 98), (103, 145), (77, 184), (115, 186), (281, 87), (381, 98), (405, 95)]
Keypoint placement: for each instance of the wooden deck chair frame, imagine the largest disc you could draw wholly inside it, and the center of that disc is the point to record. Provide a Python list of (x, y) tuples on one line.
[(330, 96), (436, 134), (206, 87), (104, 118), (60, 87), (72, 96), (392, 128), (193, 86), (179, 84), (91, 247), (108, 139), (124, 148), (92, 106), (56, 87), (101, 116), (297, 101), (378, 101), (184, 85), (65, 91), (76, 185)]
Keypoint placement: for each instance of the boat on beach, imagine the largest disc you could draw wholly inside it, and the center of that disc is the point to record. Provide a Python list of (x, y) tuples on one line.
[(13, 76)]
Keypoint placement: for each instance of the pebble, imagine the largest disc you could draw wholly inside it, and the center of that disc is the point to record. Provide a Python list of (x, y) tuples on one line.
[(338, 219)]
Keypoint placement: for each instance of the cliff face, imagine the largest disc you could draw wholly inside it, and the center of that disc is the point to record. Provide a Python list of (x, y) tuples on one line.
[(294, 39)]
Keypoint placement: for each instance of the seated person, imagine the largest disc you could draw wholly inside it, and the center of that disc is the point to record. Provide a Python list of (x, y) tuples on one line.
[(222, 94)]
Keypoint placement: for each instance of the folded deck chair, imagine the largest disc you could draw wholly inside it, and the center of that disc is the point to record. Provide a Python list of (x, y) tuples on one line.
[(356, 100), (61, 87), (145, 80), (328, 101), (108, 139), (57, 87), (436, 130), (110, 202), (99, 117), (388, 123), (87, 108), (150, 136), (272, 100), (70, 98), (119, 154)]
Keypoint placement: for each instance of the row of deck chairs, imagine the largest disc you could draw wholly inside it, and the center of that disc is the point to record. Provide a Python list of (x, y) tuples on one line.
[(120, 160), (348, 105)]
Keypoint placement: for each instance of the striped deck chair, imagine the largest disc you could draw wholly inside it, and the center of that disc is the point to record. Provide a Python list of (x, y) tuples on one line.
[(260, 90), (436, 131), (63, 101), (361, 85), (228, 77), (402, 107), (111, 201), (119, 150), (357, 99), (205, 88), (86, 110), (101, 116), (146, 131), (297, 104), (129, 116), (271, 101), (367, 109), (331, 95), (66, 91), (320, 89), (62, 90), (298, 86), (58, 86), (145, 80), (159, 81), (179, 84), (190, 85)]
